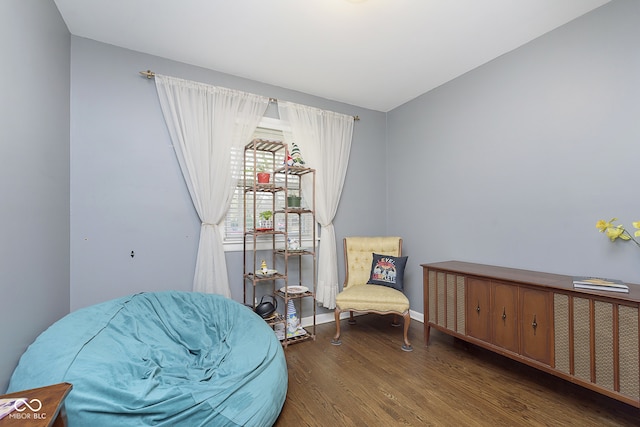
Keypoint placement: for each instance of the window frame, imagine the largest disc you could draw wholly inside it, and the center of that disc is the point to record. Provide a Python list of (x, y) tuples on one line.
[(237, 244)]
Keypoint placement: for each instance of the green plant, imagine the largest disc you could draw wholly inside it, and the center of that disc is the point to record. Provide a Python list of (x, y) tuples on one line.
[(266, 215), (262, 165), (293, 199), (614, 232)]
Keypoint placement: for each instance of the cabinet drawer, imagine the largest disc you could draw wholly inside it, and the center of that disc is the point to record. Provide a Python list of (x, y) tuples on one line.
[(536, 325)]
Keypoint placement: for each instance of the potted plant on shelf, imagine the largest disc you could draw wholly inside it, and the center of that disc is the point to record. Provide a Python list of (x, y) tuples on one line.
[(293, 200), (261, 173), (266, 221)]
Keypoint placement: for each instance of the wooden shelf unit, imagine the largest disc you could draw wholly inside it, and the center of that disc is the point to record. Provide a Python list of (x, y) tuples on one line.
[(284, 178)]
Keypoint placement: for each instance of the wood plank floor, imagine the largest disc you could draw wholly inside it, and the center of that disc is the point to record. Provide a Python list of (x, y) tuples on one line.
[(369, 381)]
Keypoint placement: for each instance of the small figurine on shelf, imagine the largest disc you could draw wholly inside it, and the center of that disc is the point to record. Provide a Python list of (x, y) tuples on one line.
[(293, 244), (293, 322), (296, 157), (263, 267)]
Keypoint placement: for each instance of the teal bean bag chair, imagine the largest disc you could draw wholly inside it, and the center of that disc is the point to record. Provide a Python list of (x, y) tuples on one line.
[(161, 359)]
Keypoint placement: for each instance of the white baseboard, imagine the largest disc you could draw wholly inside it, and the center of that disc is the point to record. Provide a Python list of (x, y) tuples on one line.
[(417, 316)]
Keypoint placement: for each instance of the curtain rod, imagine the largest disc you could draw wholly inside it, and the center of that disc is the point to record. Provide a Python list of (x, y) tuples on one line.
[(150, 74)]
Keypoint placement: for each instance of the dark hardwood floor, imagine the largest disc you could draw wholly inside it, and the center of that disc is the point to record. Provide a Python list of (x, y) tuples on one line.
[(369, 381)]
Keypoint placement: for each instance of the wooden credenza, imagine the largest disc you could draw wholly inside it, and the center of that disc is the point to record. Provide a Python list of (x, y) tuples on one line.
[(587, 337)]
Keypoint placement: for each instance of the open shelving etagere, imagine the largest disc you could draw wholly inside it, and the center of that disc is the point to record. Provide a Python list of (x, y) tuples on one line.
[(283, 179)]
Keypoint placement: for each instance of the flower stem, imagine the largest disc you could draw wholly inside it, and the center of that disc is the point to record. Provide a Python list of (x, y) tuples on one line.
[(631, 237)]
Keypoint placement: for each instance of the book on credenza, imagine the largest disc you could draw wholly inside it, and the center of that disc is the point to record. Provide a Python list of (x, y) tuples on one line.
[(599, 284)]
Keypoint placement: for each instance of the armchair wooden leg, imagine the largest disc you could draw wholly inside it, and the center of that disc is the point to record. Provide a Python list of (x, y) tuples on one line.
[(351, 321), (336, 338), (395, 322), (407, 319)]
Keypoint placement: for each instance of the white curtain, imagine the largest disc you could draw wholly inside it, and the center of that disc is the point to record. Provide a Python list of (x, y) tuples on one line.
[(209, 127), (324, 139)]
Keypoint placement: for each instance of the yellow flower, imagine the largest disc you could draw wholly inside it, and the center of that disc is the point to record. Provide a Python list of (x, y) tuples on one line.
[(602, 225), (614, 232)]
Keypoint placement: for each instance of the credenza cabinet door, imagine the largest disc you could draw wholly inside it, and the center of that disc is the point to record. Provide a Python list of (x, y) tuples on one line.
[(446, 300), (629, 352), (478, 308), (504, 316), (536, 324), (598, 343)]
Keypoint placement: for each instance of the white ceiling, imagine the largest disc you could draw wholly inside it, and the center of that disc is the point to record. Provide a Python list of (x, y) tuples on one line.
[(375, 54)]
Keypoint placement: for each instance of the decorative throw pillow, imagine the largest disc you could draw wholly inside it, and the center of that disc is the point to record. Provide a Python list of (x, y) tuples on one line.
[(388, 271)]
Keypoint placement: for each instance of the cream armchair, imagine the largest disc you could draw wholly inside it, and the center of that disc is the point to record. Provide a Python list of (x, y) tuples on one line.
[(358, 296)]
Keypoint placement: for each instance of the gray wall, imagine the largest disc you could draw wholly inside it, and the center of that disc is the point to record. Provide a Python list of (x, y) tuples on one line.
[(34, 174), (510, 164), (513, 163), (127, 191)]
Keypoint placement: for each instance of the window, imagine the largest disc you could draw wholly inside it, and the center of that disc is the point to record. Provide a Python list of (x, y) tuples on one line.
[(269, 129)]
